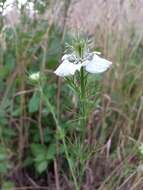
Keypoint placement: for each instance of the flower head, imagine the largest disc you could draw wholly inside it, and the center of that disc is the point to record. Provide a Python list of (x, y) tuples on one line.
[(34, 76), (90, 61)]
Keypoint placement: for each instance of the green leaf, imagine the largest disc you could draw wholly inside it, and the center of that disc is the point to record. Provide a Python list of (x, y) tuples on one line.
[(40, 158), (33, 105), (51, 151), (41, 166), (38, 149)]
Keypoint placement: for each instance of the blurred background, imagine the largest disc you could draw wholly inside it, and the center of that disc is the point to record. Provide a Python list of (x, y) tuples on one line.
[(33, 37)]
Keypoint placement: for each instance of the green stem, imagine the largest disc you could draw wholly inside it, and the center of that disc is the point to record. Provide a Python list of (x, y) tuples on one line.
[(82, 99), (70, 164)]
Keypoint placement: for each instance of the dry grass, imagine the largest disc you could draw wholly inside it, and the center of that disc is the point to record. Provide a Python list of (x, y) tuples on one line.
[(115, 24), (118, 31)]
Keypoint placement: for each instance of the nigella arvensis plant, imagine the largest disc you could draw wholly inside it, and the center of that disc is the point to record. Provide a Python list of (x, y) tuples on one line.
[(75, 67)]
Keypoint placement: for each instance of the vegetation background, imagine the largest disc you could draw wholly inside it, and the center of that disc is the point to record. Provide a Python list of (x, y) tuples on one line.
[(32, 38)]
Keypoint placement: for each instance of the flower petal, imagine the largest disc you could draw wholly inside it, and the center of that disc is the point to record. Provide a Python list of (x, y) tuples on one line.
[(66, 56), (97, 64), (70, 57), (67, 68)]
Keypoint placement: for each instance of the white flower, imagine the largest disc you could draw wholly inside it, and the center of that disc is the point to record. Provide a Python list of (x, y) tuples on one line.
[(35, 76), (91, 62), (67, 68)]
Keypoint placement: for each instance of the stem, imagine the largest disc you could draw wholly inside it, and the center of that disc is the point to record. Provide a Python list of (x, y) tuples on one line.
[(39, 122), (82, 84), (70, 164), (82, 99), (82, 109), (56, 175)]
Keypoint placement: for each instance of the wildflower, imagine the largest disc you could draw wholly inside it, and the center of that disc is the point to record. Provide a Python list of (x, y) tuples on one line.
[(90, 61), (35, 76)]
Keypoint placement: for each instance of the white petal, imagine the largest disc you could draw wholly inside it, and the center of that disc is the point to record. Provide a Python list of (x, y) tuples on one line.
[(68, 57), (97, 64), (67, 68)]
